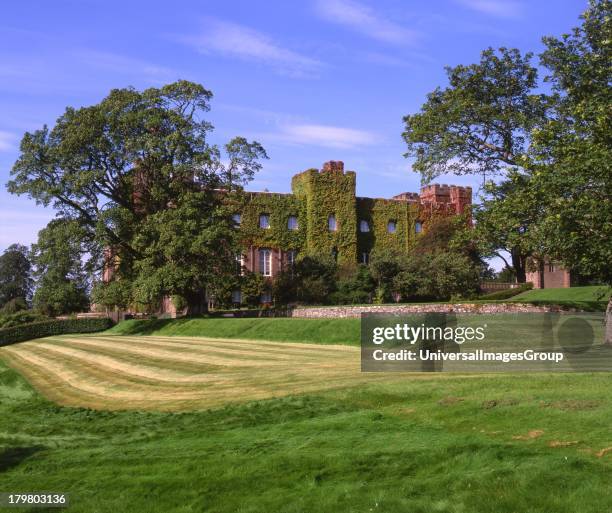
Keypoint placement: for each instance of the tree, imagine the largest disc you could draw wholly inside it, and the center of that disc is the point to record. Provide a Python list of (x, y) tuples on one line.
[(437, 276), (123, 167), (61, 278), (573, 151), (505, 221), (385, 264), (15, 274), (480, 123)]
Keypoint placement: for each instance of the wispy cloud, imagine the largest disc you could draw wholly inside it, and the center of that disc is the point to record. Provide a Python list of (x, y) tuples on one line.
[(123, 64), (242, 42), (326, 136), (499, 8), (8, 141), (365, 20)]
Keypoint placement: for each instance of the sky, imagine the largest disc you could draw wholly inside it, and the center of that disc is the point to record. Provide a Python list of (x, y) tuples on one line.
[(311, 80)]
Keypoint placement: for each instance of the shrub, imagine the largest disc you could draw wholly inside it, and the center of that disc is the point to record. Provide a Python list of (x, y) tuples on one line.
[(508, 293), (52, 327), (22, 317)]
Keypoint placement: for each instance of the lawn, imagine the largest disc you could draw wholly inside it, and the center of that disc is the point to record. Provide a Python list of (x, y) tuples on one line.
[(594, 298), (315, 331), (336, 440)]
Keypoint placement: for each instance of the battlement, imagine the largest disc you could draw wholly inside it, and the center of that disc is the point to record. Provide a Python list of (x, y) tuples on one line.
[(412, 197), (442, 194)]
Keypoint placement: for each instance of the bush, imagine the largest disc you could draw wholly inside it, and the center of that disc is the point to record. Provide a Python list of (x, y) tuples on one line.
[(22, 317), (508, 293), (53, 327)]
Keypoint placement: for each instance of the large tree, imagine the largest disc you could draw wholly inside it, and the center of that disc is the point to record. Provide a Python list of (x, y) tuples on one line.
[(505, 221), (61, 279), (572, 153), (15, 274), (480, 123), (123, 167)]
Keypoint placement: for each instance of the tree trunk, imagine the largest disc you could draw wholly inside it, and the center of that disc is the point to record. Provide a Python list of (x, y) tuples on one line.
[(519, 262), (196, 304), (608, 337)]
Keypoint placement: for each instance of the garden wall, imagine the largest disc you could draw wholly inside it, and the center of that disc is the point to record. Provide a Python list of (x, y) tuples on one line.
[(334, 312)]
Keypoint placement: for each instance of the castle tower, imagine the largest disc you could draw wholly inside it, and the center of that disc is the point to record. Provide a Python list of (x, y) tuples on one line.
[(329, 199)]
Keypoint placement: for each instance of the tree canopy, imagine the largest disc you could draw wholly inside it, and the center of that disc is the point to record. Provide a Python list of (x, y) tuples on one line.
[(136, 172)]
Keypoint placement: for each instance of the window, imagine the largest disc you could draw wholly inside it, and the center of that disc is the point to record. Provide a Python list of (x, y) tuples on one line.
[(392, 226), (265, 262), (264, 221), (291, 254), (331, 223), (365, 258), (236, 297), (292, 223), (334, 254), (418, 227), (239, 264), (551, 268), (364, 226), (266, 297), (237, 218)]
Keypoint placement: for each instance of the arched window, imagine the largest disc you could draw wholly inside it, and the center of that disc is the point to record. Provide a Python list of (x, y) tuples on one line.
[(392, 226), (364, 226), (331, 223), (264, 221), (292, 223), (418, 227), (237, 218)]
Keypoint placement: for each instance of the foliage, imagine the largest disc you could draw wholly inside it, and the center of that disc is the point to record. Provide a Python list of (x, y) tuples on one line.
[(61, 279), (29, 331), (122, 168), (315, 279), (385, 265), (508, 293), (323, 194), (354, 285), (573, 151), (506, 221), (252, 286), (13, 306), (481, 122), (15, 274), (279, 207), (439, 276), (9, 320)]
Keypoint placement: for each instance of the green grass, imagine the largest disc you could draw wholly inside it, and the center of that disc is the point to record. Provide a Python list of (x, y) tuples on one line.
[(591, 298), (447, 445), (315, 331)]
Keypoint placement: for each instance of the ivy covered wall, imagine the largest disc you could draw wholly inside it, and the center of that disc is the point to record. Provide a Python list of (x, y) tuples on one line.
[(319, 194)]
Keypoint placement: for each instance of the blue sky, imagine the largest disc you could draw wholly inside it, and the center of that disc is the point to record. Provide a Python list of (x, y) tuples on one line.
[(312, 81)]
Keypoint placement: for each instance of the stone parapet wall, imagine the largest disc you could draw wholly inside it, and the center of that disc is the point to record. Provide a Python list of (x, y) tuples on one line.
[(348, 311)]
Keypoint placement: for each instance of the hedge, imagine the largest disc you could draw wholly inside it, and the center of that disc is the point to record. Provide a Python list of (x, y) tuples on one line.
[(53, 327), (508, 293)]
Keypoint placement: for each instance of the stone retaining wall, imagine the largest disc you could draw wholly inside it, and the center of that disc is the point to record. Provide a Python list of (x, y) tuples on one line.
[(334, 312)]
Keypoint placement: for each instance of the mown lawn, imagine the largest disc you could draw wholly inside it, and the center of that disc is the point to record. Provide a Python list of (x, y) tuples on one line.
[(503, 443), (593, 298), (314, 331)]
